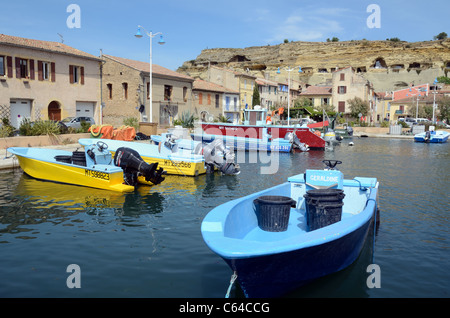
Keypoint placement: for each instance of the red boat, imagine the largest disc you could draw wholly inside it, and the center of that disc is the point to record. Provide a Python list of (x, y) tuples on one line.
[(255, 126)]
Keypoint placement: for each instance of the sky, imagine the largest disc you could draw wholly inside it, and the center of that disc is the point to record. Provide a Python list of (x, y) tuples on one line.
[(190, 26)]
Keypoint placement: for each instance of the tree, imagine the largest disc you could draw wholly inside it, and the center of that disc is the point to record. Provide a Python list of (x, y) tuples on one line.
[(358, 106), (256, 99), (444, 108), (443, 80), (440, 36)]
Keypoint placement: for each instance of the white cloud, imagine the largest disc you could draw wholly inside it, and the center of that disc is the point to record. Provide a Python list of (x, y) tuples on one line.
[(307, 25)]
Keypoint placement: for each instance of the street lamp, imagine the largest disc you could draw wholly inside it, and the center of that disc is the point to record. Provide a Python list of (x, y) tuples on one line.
[(434, 97), (151, 35), (288, 69)]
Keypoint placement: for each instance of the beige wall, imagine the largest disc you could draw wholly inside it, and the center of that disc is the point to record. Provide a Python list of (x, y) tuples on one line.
[(120, 107), (42, 93)]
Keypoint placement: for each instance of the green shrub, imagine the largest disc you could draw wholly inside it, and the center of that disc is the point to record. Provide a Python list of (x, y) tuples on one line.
[(26, 129), (132, 122), (45, 127)]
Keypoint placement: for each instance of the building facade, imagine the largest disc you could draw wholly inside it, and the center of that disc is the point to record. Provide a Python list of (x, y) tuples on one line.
[(47, 80), (348, 84), (211, 100), (126, 92)]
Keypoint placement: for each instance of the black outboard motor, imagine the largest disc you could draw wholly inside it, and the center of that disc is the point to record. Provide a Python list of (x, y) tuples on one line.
[(133, 166)]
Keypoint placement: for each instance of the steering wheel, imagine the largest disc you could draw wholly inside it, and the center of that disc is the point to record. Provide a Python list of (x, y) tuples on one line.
[(102, 145), (331, 163)]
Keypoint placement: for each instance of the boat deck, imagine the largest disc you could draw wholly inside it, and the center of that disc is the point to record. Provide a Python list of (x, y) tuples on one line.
[(296, 226)]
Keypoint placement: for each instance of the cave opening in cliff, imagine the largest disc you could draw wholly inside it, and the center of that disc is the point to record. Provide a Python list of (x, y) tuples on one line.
[(379, 63), (361, 69), (239, 58)]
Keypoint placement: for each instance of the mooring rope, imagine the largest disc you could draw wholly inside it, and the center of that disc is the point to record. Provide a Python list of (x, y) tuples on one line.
[(233, 278)]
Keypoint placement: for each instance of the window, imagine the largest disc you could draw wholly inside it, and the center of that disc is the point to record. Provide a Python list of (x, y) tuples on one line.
[(342, 77), (217, 100), (341, 107), (235, 103), (185, 93), (109, 86), (168, 92), (125, 90), (209, 99), (45, 70), (2, 65), (342, 89), (200, 98), (148, 90), (23, 64), (76, 74)]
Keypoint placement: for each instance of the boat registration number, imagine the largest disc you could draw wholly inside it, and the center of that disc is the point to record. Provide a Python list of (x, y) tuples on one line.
[(96, 174), (179, 164)]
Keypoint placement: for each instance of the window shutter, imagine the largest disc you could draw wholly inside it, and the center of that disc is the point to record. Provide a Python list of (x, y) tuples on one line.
[(9, 66), (32, 69), (82, 75), (18, 67), (53, 71), (40, 75), (345, 89), (71, 74)]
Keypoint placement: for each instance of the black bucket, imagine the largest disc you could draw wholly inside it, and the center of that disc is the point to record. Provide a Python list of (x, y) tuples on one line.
[(323, 207), (273, 212), (63, 158), (79, 158)]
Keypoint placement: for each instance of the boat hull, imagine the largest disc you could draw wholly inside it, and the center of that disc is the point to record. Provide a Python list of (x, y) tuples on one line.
[(173, 164), (72, 174), (305, 135), (247, 144), (277, 274), (435, 137)]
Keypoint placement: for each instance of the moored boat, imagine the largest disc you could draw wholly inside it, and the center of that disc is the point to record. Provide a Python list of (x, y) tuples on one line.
[(93, 167), (185, 158), (281, 238), (432, 136), (254, 126)]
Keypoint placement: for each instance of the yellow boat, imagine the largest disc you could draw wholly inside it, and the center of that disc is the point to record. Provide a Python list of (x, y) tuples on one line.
[(175, 158), (93, 168)]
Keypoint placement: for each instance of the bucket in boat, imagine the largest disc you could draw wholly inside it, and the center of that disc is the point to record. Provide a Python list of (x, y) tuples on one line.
[(323, 207), (63, 158), (273, 212), (79, 158)]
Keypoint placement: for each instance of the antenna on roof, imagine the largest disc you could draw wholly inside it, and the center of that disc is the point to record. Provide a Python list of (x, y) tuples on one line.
[(62, 39)]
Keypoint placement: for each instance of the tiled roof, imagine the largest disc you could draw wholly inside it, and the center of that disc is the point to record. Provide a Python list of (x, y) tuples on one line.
[(208, 86), (49, 46), (264, 82), (317, 90), (145, 67)]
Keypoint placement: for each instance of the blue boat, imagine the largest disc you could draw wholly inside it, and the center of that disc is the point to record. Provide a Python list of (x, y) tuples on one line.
[(269, 261), (432, 136), (246, 143)]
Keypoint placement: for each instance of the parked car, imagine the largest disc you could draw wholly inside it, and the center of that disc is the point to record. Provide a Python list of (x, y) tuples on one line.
[(409, 121), (422, 121), (75, 122)]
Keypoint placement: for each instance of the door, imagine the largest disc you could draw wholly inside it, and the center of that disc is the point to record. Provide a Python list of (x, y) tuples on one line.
[(20, 109), (85, 109), (54, 112)]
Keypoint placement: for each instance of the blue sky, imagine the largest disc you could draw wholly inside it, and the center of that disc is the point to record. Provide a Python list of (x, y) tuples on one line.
[(189, 26)]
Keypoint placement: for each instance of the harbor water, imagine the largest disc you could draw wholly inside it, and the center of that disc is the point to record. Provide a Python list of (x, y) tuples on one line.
[(148, 243)]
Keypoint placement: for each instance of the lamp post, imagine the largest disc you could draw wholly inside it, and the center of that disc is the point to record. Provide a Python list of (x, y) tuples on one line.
[(434, 97), (151, 35), (288, 69)]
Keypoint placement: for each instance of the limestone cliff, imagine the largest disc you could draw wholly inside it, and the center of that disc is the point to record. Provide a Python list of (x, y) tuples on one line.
[(387, 64)]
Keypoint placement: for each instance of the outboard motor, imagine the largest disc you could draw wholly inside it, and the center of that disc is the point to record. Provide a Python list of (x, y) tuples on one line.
[(133, 166), (292, 137), (217, 155)]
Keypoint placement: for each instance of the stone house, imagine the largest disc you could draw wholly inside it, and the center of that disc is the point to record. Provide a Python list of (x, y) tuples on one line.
[(348, 84), (211, 100), (243, 83), (318, 95), (126, 92), (47, 80), (268, 92)]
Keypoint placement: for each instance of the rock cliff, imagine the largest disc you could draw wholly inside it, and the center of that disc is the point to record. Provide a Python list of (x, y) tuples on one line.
[(387, 64)]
